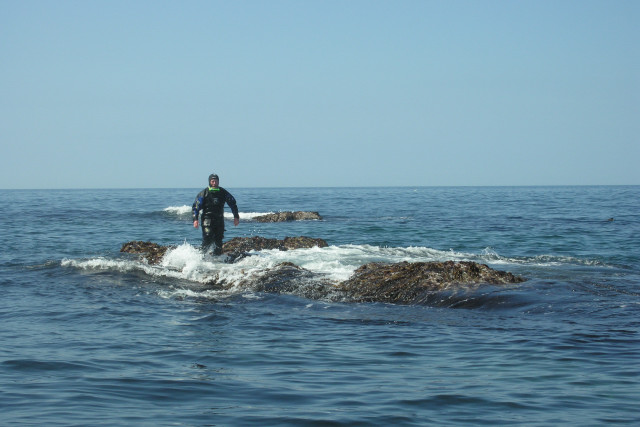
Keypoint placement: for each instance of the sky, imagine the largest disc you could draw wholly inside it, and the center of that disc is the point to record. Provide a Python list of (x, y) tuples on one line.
[(297, 93)]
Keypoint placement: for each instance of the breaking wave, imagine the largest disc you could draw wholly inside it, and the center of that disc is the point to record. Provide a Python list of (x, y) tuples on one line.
[(332, 263)]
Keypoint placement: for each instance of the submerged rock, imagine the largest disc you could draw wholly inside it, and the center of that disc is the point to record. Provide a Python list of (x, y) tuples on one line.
[(288, 216), (235, 248), (414, 283), (257, 243), (283, 278)]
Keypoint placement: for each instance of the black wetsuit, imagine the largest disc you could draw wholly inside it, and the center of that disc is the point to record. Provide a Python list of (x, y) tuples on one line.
[(211, 202)]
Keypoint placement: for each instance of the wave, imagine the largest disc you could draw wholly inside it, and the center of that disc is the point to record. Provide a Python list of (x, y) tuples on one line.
[(332, 264), (190, 275), (488, 255), (184, 212)]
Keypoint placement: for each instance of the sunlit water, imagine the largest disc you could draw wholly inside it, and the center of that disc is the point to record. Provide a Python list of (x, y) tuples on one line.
[(91, 336)]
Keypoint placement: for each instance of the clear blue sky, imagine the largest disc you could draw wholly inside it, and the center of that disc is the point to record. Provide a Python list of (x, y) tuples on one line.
[(119, 94)]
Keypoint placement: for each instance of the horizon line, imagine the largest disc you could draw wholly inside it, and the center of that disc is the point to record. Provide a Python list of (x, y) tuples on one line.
[(330, 186)]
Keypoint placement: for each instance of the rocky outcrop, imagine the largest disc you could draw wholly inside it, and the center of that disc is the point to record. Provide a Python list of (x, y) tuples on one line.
[(415, 283), (397, 283), (288, 216)]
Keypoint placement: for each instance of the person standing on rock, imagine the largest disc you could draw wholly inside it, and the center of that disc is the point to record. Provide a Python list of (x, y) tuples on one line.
[(211, 202)]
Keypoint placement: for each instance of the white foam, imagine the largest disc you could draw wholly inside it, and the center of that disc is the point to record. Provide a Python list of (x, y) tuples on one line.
[(185, 211), (336, 263), (188, 272), (109, 264), (178, 210), (333, 263)]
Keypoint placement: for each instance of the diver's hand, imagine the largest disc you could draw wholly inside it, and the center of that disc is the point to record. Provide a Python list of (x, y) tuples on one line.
[(236, 221), (195, 224)]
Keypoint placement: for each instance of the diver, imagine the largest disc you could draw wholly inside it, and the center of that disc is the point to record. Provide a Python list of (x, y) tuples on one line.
[(211, 202)]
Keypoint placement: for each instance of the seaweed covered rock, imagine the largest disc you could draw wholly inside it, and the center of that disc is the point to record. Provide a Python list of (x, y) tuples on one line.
[(415, 283), (257, 243), (152, 252), (288, 216)]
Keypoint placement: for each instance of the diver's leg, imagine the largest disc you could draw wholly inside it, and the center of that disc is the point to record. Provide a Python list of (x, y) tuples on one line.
[(217, 237), (207, 234)]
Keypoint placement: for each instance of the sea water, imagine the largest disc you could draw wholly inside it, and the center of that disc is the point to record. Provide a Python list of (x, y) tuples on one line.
[(91, 336)]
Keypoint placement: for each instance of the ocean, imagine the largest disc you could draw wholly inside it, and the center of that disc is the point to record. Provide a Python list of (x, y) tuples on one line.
[(92, 336)]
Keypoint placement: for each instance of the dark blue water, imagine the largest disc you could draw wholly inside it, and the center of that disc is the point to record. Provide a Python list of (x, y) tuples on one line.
[(91, 336)]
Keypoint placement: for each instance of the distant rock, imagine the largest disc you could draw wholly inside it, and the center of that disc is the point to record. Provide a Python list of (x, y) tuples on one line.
[(415, 283), (288, 216)]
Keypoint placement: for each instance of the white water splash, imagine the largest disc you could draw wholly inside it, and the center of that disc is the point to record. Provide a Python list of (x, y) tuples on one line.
[(178, 210)]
